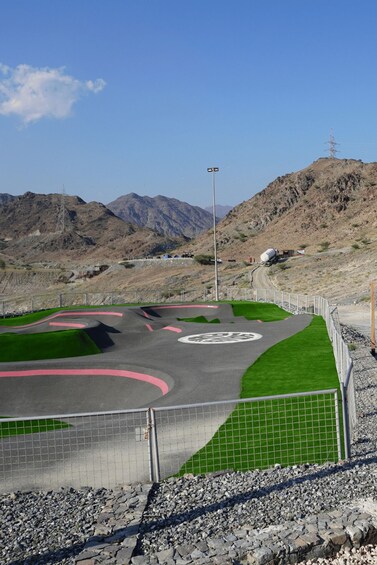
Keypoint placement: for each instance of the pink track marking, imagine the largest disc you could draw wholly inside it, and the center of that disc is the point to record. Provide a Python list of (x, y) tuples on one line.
[(67, 324), (172, 329), (183, 306), (155, 381), (146, 315), (89, 313), (69, 313), (149, 327)]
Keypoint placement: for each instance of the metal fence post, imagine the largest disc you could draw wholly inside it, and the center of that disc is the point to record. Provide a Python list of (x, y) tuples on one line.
[(337, 426), (154, 447), (345, 411), (150, 446)]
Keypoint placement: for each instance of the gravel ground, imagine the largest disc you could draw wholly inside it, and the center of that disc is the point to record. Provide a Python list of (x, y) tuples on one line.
[(52, 528), (47, 527), (366, 555)]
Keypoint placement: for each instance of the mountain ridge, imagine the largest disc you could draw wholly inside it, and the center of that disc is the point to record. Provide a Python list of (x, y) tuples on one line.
[(328, 209), (168, 216), (32, 225)]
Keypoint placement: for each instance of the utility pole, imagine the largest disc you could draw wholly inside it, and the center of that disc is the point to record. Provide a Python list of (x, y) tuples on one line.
[(332, 145)]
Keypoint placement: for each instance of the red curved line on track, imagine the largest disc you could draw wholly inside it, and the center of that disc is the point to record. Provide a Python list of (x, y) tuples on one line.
[(146, 315), (67, 325), (172, 329), (155, 381), (69, 313), (89, 313), (149, 327)]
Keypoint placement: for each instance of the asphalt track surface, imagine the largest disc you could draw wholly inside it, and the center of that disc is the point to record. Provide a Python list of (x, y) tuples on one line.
[(142, 363)]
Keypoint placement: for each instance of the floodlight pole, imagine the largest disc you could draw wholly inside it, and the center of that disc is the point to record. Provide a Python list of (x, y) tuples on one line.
[(372, 319), (214, 170)]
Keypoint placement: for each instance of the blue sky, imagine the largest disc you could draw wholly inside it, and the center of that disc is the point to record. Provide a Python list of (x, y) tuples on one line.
[(116, 96)]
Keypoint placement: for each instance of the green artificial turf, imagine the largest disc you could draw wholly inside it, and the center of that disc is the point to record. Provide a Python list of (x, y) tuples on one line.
[(51, 345), (199, 320), (259, 311), (28, 318), (30, 427), (37, 316), (301, 363), (261, 434)]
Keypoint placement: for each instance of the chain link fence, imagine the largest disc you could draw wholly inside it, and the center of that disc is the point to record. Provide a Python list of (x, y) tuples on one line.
[(107, 449), (24, 304), (98, 449), (241, 435), (320, 306)]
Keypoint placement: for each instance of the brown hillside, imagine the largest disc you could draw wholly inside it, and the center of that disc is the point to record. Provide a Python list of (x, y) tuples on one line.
[(332, 200), (32, 228)]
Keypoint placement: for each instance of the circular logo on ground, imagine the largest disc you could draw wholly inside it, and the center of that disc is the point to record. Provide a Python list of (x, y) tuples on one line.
[(220, 338)]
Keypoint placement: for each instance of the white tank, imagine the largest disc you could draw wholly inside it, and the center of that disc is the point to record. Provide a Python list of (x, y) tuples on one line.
[(268, 255)]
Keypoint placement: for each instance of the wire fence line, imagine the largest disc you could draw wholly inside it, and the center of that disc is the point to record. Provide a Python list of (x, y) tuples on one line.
[(24, 304), (254, 433), (107, 449), (320, 306)]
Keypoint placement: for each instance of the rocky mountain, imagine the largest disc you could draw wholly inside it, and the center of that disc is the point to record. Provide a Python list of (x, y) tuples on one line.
[(329, 204), (5, 198), (167, 216), (220, 211), (328, 209), (39, 226)]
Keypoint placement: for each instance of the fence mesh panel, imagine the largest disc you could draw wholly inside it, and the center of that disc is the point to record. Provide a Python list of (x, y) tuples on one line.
[(99, 450), (250, 434)]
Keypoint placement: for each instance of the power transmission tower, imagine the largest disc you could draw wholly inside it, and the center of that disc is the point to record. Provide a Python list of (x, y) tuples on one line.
[(62, 213), (332, 146)]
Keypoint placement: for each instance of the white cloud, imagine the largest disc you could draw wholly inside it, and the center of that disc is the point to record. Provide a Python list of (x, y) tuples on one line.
[(35, 93)]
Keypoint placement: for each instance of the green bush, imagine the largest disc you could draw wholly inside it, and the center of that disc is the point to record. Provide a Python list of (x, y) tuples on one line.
[(204, 259)]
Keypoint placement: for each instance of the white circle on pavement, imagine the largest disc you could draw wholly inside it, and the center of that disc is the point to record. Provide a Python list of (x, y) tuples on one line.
[(215, 338)]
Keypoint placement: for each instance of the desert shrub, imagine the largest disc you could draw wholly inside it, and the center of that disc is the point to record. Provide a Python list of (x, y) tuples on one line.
[(204, 259), (324, 245)]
